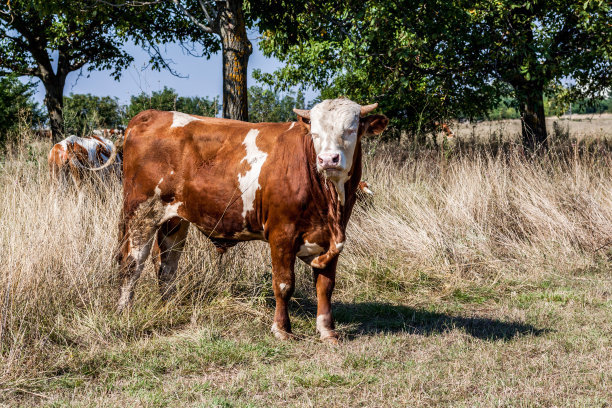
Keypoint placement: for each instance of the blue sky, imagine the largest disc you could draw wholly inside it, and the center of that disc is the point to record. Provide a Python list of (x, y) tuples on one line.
[(203, 77)]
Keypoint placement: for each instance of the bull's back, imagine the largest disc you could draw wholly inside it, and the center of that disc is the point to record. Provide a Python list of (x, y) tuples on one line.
[(193, 146), (211, 166), (158, 143)]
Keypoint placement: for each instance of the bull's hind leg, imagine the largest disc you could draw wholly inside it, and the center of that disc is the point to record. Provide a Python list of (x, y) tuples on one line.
[(132, 266), (171, 238), (140, 227)]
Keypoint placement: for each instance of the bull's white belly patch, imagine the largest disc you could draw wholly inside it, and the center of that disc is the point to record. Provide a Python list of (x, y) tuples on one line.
[(249, 182), (180, 119), (170, 211), (309, 249)]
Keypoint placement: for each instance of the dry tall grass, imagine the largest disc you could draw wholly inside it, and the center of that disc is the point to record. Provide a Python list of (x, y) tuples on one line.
[(434, 228)]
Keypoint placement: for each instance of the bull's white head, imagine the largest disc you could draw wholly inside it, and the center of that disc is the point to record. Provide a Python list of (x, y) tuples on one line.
[(336, 125)]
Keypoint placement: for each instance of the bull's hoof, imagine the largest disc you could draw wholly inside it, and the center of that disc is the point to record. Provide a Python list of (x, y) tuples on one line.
[(281, 334), (123, 305), (167, 294), (122, 309), (330, 338)]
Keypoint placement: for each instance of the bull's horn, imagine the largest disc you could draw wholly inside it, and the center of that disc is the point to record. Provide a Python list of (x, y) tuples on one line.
[(112, 157), (302, 112), (367, 109)]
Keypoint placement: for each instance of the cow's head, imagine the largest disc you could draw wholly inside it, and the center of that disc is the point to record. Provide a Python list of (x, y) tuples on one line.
[(336, 125)]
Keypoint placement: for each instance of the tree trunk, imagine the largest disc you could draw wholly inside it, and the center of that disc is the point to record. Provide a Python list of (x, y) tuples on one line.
[(236, 51), (54, 101), (533, 120)]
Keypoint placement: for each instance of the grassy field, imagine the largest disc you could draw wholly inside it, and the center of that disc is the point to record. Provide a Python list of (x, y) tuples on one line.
[(469, 280), (580, 127)]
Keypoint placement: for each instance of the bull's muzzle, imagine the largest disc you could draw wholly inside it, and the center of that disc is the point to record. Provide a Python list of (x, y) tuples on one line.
[(329, 161)]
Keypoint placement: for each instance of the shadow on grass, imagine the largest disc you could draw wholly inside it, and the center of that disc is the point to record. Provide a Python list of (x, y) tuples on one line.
[(374, 317)]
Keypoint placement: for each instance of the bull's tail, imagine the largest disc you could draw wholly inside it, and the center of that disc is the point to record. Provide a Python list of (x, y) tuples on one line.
[(111, 160), (122, 228)]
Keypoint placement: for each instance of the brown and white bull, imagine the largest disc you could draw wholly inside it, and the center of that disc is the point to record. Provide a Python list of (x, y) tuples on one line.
[(290, 184), (72, 156)]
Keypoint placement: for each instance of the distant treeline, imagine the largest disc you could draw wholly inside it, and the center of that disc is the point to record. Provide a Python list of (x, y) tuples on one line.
[(85, 112), (507, 108)]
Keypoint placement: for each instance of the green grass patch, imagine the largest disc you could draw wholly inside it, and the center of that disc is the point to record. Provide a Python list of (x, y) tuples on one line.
[(473, 294)]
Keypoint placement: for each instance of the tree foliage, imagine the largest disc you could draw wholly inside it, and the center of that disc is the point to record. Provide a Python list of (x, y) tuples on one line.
[(376, 51), (534, 45), (50, 39), (429, 59), (590, 106), (78, 33)]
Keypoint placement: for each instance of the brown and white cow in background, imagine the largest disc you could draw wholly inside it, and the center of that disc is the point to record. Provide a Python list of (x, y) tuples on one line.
[(365, 196), (70, 158), (109, 132), (365, 188), (443, 127), (290, 184)]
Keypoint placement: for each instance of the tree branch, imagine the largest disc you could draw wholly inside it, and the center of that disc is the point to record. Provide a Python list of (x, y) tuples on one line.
[(21, 71), (563, 36), (194, 20), (159, 57), (211, 22), (77, 65), (63, 63), (35, 44), (131, 3), (17, 40)]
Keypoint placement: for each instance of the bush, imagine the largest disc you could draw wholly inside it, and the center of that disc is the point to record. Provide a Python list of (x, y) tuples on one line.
[(85, 112), (266, 105), (169, 100), (15, 104)]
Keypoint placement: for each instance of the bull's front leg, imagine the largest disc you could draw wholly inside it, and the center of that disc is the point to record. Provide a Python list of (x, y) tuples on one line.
[(283, 284), (325, 279)]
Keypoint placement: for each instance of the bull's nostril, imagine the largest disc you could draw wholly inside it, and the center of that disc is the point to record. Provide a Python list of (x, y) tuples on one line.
[(335, 158), (320, 160)]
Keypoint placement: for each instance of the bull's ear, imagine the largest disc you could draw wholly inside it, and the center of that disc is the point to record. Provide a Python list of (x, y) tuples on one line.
[(374, 124)]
